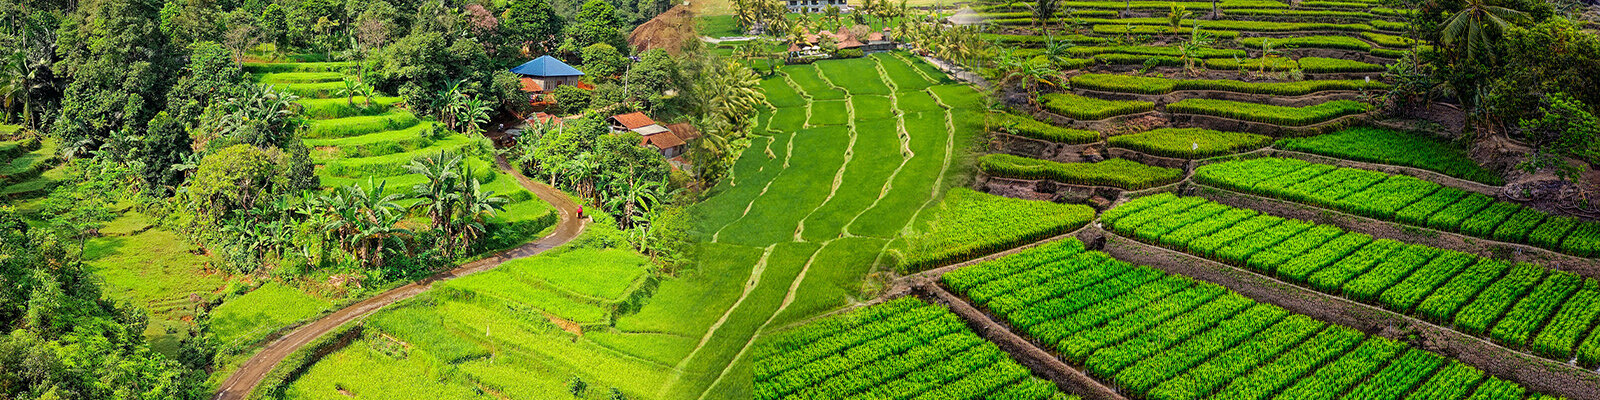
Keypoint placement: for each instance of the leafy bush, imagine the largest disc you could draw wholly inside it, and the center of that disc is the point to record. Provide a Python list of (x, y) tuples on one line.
[(1189, 143), (1153, 85), (1089, 108), (1278, 115), (1115, 172), (1397, 148), (1028, 127), (970, 224)]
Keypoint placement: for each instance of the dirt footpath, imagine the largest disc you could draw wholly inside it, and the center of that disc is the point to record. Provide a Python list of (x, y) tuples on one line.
[(244, 380)]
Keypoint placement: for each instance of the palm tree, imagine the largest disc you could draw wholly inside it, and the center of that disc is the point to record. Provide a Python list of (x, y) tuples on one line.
[(475, 206), (14, 83), (1175, 18), (436, 196), (1470, 30)]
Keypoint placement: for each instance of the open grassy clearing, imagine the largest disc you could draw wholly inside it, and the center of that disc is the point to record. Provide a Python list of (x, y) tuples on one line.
[(1164, 336)]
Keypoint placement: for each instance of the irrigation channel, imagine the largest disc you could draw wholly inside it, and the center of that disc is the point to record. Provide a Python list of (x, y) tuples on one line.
[(244, 380)]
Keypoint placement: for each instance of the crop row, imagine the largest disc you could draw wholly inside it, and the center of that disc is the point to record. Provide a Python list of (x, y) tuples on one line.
[(1116, 172), (970, 224), (1127, 29), (900, 349), (1401, 198), (1028, 127), (1264, 113), (1089, 108), (1153, 85), (1303, 13), (1320, 42), (1168, 337), (1173, 51), (1396, 148), (1520, 306), (1307, 64), (1190, 143)]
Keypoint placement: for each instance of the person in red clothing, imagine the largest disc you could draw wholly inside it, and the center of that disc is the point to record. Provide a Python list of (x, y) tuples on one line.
[(580, 211)]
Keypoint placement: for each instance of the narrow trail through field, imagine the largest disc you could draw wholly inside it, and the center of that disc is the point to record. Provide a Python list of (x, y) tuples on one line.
[(244, 380)]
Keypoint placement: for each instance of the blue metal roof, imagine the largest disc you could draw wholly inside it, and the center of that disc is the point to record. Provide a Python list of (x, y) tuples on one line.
[(546, 66)]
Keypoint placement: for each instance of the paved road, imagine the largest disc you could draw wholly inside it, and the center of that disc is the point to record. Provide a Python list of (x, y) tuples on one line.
[(244, 380)]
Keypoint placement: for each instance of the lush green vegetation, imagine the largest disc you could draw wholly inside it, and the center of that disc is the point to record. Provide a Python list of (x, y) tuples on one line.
[(903, 347), (969, 224), (1116, 172), (1307, 64), (1278, 115), (1028, 127), (1390, 147), (1321, 42), (1168, 336), (1404, 199), (1190, 143), (1153, 85), (1090, 108), (1513, 305)]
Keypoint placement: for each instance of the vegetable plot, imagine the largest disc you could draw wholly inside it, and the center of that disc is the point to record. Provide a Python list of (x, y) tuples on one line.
[(1190, 143), (1116, 172), (1089, 108), (1522, 306), (1162, 336), (1264, 113), (1152, 85), (1401, 198), (902, 348), (971, 224)]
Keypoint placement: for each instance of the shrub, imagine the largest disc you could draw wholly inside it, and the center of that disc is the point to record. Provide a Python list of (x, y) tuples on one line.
[(1089, 108), (1028, 127), (1115, 172), (1189, 143), (1279, 115)]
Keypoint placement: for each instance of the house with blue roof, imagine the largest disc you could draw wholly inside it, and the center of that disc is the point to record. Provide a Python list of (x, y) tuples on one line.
[(544, 74)]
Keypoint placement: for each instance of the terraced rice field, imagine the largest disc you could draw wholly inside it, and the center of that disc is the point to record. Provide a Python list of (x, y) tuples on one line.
[(1130, 128), (359, 141), (849, 155)]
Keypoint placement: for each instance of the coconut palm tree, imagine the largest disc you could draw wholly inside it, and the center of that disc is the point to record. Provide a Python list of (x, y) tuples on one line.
[(1470, 30)]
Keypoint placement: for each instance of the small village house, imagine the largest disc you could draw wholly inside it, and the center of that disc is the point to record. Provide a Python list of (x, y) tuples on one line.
[(816, 6), (652, 134)]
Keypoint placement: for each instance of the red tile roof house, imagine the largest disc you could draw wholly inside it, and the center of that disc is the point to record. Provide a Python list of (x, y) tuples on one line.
[(652, 134)]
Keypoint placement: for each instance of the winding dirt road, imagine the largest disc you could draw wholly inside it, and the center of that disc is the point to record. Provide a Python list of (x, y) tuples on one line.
[(244, 380)]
